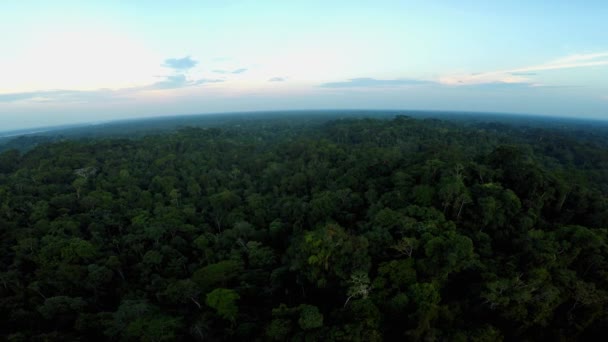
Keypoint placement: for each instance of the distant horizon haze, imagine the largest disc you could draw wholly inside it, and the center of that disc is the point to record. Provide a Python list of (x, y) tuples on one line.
[(370, 113)]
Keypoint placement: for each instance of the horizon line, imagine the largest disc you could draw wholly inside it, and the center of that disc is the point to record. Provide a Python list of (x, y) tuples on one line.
[(40, 129)]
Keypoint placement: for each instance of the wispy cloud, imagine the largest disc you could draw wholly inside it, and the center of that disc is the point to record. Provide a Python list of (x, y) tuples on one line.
[(277, 79), (500, 85), (578, 58), (236, 71), (65, 95), (205, 81), (12, 97), (176, 81), (368, 82), (483, 78), (523, 73), (500, 79), (180, 64), (170, 82), (573, 61), (520, 75)]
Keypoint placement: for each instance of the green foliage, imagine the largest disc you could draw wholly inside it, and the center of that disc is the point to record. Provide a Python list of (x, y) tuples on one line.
[(161, 328), (310, 317), (279, 329), (307, 230), (329, 253), (137, 319), (217, 274), (259, 256), (59, 305), (224, 302), (183, 291), (449, 252)]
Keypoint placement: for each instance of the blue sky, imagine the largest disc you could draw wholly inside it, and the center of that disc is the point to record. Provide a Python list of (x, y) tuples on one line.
[(86, 61)]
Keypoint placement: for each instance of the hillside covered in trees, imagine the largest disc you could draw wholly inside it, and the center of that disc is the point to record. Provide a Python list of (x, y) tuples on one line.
[(342, 230)]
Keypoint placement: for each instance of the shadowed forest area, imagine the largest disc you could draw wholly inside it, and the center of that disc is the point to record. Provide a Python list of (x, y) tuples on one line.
[(352, 229)]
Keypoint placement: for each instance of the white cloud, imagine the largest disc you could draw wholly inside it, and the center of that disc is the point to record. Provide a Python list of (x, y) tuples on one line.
[(521, 75)]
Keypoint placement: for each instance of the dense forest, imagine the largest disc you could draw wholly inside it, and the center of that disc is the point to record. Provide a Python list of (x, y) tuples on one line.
[(342, 230)]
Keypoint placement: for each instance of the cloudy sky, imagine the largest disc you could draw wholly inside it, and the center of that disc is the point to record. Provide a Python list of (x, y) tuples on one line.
[(87, 61)]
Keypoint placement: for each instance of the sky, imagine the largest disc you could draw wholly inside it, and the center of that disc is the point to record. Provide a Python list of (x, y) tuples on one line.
[(67, 62)]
